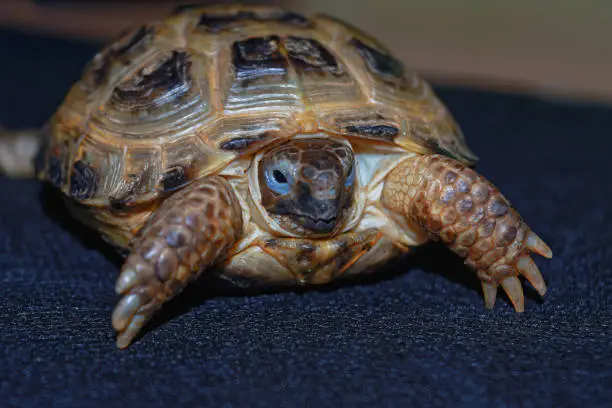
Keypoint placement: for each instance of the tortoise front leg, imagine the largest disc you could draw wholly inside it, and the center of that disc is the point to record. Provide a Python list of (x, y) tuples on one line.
[(187, 234), (456, 205)]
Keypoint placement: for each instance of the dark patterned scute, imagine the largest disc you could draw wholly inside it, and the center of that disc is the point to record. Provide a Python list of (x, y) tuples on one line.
[(240, 143), (379, 63), (120, 204), (256, 57), (217, 22), (174, 179), (310, 55), (170, 78), (100, 65), (129, 195), (84, 181), (376, 131)]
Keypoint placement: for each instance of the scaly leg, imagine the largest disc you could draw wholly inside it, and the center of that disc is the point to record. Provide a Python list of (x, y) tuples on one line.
[(456, 205), (189, 233), (17, 152)]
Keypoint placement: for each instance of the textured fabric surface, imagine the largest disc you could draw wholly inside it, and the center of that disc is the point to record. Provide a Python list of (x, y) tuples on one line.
[(417, 335)]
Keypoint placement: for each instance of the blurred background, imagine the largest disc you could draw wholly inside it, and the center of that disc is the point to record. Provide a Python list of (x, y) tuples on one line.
[(546, 47)]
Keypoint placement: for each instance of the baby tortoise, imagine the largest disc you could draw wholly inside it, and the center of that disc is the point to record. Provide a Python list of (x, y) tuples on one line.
[(270, 148)]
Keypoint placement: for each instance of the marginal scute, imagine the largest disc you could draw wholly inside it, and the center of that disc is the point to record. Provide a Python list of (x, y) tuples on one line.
[(240, 143), (141, 168), (190, 154), (122, 203), (367, 123), (441, 136), (173, 179), (374, 131), (83, 181)]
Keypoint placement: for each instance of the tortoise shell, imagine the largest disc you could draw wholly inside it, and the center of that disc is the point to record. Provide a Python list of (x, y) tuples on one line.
[(180, 99)]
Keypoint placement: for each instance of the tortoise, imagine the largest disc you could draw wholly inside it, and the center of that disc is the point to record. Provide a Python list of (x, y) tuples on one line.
[(272, 149)]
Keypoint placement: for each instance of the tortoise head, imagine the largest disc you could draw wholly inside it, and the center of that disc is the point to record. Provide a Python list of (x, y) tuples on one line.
[(307, 185)]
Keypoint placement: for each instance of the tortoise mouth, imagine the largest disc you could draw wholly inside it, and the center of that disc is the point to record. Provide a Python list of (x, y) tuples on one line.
[(318, 225)]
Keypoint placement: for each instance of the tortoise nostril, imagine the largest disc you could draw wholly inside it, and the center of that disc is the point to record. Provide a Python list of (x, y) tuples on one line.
[(308, 173)]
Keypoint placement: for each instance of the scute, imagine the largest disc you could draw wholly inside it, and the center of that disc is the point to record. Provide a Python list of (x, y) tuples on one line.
[(176, 100), (83, 180)]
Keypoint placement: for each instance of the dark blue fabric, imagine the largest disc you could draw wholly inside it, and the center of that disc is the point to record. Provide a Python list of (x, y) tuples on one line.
[(418, 335)]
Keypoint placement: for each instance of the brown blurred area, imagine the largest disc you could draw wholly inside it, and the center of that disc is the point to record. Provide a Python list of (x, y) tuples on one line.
[(560, 47)]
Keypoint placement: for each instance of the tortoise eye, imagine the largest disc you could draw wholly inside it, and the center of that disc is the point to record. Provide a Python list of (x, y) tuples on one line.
[(279, 177), (278, 180)]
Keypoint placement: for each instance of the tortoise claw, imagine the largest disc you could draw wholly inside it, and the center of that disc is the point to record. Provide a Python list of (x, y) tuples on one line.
[(124, 338), (519, 264), (132, 312), (512, 287), (128, 279), (490, 294), (535, 244), (530, 271), (125, 310)]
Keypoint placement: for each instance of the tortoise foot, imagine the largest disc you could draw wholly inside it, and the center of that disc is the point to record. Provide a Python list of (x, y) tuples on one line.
[(459, 207)]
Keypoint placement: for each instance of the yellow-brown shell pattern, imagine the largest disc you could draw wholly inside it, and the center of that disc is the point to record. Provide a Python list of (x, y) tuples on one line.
[(176, 100)]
